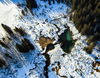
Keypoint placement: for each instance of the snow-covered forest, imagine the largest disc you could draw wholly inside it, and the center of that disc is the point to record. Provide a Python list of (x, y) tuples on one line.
[(49, 38)]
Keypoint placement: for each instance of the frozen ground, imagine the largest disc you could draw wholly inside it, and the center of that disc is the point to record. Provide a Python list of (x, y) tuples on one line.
[(77, 64)]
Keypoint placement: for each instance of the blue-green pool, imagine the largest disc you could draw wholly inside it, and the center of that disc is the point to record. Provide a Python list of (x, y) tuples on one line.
[(66, 41)]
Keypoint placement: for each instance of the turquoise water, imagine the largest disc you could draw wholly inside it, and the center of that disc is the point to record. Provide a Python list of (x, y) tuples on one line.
[(50, 47), (66, 41)]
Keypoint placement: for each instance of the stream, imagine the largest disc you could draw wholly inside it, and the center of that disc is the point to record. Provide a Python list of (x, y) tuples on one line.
[(66, 44)]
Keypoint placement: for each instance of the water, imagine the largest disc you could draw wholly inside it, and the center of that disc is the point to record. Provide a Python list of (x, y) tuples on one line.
[(66, 41), (50, 47)]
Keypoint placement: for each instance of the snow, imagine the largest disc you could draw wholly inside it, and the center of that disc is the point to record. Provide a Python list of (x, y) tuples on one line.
[(77, 64)]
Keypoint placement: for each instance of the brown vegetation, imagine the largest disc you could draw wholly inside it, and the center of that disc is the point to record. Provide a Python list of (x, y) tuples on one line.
[(45, 41)]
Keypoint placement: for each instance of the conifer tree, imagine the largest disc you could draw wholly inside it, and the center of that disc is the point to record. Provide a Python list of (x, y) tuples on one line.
[(31, 4), (53, 2), (89, 7), (90, 40), (70, 16), (62, 1), (49, 2), (23, 13), (67, 2), (84, 30), (74, 5)]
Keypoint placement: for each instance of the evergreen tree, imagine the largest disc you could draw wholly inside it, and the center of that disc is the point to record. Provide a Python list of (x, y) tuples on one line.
[(67, 2), (74, 5), (90, 47), (87, 19), (89, 7), (90, 40), (58, 1), (84, 11), (53, 2), (84, 30), (45, 0), (23, 13), (70, 16), (31, 4), (62, 1), (49, 2), (79, 28)]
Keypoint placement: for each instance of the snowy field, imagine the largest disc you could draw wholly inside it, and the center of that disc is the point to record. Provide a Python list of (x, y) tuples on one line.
[(77, 64)]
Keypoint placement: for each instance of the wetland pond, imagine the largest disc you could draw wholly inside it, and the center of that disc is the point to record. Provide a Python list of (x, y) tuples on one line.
[(66, 41)]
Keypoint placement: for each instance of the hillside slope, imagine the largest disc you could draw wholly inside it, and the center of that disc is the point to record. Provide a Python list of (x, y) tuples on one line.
[(47, 23)]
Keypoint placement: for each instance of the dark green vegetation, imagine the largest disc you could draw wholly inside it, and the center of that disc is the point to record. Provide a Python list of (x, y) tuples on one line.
[(25, 46), (87, 20), (66, 41), (89, 48), (7, 29), (2, 62), (9, 43), (3, 44), (20, 31), (8, 55), (87, 17), (23, 13), (31, 4), (58, 1)]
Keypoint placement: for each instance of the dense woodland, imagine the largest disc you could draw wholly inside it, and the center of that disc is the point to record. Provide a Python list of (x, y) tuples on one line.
[(87, 20), (86, 17)]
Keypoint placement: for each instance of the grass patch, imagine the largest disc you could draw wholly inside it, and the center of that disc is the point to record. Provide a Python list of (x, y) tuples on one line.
[(45, 41)]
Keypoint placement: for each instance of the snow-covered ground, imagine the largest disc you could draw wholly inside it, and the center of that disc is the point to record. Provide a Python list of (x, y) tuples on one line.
[(77, 64)]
